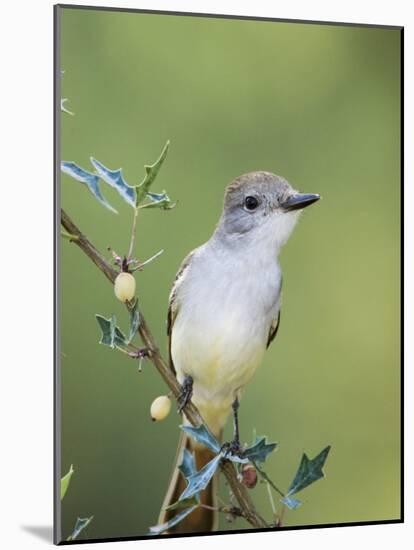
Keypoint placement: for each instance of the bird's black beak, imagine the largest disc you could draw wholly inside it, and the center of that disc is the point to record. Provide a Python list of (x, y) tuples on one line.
[(299, 201)]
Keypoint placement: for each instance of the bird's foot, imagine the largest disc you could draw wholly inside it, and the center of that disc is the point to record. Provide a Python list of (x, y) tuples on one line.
[(233, 448), (185, 393)]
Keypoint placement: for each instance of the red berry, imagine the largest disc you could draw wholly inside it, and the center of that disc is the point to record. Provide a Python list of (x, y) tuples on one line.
[(249, 476)]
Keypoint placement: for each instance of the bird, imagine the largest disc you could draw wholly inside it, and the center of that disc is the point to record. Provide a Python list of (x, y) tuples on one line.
[(224, 312)]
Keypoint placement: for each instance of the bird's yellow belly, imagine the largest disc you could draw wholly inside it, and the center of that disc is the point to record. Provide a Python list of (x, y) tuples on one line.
[(221, 362)]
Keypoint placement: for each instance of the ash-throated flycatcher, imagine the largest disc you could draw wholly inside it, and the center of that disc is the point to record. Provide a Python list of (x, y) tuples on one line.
[(224, 312)]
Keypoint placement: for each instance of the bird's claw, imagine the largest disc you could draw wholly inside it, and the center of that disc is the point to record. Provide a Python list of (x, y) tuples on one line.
[(185, 393), (232, 448)]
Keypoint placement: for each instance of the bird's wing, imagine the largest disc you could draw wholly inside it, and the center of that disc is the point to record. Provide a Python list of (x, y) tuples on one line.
[(274, 327), (173, 306)]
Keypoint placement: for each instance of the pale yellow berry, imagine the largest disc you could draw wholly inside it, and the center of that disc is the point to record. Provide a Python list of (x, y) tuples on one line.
[(124, 287), (160, 407)]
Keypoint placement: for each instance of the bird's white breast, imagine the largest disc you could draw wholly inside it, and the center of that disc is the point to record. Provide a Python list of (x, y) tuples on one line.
[(226, 304)]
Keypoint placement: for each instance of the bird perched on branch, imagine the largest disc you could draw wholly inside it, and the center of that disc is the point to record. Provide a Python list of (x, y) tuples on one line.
[(224, 312)]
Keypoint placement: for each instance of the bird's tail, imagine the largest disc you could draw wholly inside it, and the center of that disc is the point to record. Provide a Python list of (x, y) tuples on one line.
[(202, 519)]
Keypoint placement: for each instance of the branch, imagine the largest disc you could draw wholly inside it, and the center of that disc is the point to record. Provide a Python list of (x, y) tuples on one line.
[(191, 412)]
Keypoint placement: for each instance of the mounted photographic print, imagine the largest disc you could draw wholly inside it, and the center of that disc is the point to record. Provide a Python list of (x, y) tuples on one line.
[(228, 274)]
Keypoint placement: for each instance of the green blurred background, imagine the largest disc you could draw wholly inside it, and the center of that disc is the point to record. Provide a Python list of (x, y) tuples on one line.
[(317, 104)]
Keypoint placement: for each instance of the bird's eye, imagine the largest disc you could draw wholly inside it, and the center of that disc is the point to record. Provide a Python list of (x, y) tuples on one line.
[(251, 203)]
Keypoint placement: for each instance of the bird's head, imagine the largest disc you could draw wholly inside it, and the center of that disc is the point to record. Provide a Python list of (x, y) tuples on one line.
[(261, 205)]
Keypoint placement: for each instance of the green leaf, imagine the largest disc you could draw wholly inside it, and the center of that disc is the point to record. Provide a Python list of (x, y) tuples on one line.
[(159, 200), (259, 451), (64, 482), (308, 472), (111, 334), (187, 466), (90, 180), (151, 173), (115, 179), (187, 469), (199, 481), (133, 195), (291, 503), (202, 435), (158, 529), (135, 320), (80, 525)]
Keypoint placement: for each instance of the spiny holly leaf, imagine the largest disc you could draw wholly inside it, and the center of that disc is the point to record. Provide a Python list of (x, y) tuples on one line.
[(291, 503), (80, 525), (111, 334), (159, 200), (187, 466), (133, 195), (115, 179), (199, 481), (259, 450), (151, 172), (64, 482), (202, 435), (89, 179), (158, 529), (187, 469), (308, 472), (135, 320)]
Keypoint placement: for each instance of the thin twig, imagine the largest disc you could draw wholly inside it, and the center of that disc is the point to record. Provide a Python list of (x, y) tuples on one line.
[(272, 502), (139, 266), (240, 492), (133, 231), (68, 236), (268, 480), (281, 516)]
